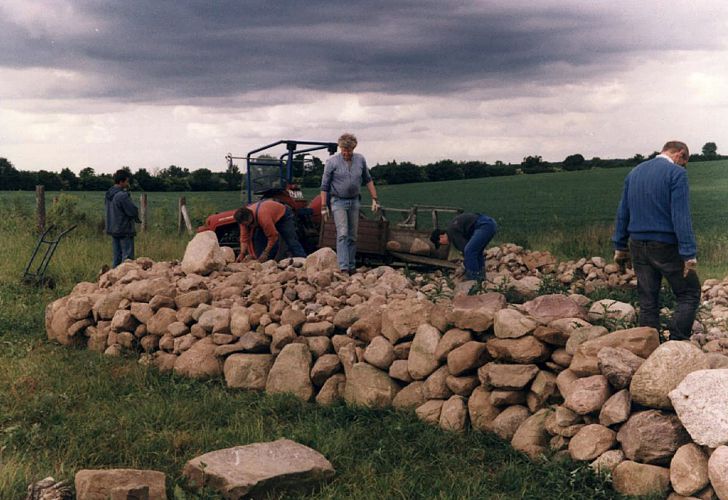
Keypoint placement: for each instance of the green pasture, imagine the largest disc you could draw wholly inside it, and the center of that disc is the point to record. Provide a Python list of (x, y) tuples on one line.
[(63, 409)]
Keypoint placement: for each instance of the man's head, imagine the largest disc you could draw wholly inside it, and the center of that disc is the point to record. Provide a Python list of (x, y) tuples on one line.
[(243, 216), (439, 237), (678, 151), (347, 142), (121, 178)]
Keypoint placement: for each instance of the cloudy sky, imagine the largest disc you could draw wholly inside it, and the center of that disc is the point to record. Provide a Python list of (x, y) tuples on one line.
[(158, 82)]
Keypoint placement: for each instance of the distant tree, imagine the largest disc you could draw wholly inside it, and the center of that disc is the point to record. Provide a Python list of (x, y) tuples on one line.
[(203, 179), (232, 177), (638, 158), (397, 173), (9, 175), (575, 162), (653, 155), (173, 171), (69, 180), (710, 150), (443, 170), (51, 180), (532, 161), (145, 181), (475, 169)]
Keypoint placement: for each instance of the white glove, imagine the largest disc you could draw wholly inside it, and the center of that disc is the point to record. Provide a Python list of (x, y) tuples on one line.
[(375, 205), (621, 256), (325, 213), (690, 265)]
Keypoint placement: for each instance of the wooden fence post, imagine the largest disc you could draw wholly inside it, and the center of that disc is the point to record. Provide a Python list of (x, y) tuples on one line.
[(183, 218), (143, 211), (40, 207)]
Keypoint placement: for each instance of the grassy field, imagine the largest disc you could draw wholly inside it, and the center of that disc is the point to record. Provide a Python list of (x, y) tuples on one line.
[(63, 409)]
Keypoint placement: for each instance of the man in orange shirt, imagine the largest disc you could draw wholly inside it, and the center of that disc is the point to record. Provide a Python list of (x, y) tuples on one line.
[(274, 219)]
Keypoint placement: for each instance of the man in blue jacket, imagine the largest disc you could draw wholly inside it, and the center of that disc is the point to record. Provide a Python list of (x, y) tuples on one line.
[(121, 214), (654, 228)]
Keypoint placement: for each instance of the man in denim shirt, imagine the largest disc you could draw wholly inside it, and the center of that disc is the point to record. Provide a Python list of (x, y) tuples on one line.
[(344, 174), (653, 220)]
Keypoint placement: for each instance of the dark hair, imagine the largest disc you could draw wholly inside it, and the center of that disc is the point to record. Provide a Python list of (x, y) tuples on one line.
[(243, 215), (677, 146), (121, 175), (435, 236)]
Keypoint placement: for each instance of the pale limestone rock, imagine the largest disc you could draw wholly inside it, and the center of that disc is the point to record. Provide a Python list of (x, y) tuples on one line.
[(505, 423), (666, 367), (583, 334), (587, 395), (99, 484), (257, 469), (369, 386), (430, 411), (467, 357), (523, 350), (291, 372), (618, 365), (203, 255), (379, 353), (632, 478), (506, 376), (453, 415), (247, 371), (400, 318), (481, 411), (476, 312), (410, 397), (547, 308), (591, 441), (398, 370), (436, 384), (640, 341), (452, 339), (531, 437), (511, 324), (617, 409), (332, 390), (612, 311), (718, 471), (199, 361), (422, 361), (652, 437), (700, 402), (689, 470), (324, 367)]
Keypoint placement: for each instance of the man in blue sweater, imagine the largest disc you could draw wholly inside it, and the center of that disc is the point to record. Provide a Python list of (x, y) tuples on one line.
[(121, 214), (654, 228)]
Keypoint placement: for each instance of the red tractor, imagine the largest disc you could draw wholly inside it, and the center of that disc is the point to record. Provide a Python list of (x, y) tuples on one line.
[(268, 177)]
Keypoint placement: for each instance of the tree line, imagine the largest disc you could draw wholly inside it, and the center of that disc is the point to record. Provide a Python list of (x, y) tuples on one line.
[(308, 173)]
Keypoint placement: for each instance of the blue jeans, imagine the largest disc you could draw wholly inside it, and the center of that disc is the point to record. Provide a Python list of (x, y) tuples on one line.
[(123, 249), (474, 258), (651, 261), (286, 227), (346, 220)]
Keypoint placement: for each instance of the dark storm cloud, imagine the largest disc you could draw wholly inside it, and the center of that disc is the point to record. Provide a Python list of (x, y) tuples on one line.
[(172, 50)]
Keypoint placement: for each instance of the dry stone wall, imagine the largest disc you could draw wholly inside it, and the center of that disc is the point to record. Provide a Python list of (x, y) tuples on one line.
[(539, 374)]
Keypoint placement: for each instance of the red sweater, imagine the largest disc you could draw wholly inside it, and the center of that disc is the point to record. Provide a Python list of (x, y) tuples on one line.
[(264, 217)]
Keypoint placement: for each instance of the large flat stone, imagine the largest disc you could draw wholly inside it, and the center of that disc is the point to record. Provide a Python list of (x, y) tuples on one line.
[(256, 469)]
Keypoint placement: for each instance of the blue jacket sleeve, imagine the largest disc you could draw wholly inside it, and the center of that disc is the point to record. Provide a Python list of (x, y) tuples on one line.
[(128, 207), (326, 177), (681, 218), (621, 235)]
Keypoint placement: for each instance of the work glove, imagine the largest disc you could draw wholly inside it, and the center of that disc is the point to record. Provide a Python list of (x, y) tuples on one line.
[(264, 256), (375, 205), (325, 214), (621, 257), (689, 265)]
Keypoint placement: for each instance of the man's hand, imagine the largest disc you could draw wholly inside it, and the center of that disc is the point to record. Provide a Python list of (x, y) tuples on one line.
[(621, 256), (325, 214), (242, 255), (689, 265), (375, 205), (264, 256)]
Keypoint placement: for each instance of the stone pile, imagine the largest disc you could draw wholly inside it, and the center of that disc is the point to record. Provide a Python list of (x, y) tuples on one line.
[(546, 375)]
